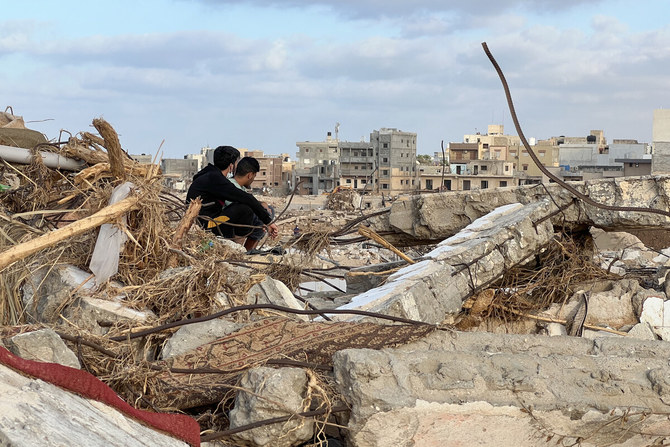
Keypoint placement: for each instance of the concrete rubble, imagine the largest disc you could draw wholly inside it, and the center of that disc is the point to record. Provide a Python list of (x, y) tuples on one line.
[(42, 345), (527, 384), (33, 412), (433, 289), (471, 388), (269, 393)]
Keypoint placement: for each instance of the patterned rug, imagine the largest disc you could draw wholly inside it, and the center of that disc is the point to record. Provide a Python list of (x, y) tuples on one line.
[(222, 361)]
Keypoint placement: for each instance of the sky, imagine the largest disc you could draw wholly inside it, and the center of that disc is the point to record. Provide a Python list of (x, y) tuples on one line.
[(172, 76)]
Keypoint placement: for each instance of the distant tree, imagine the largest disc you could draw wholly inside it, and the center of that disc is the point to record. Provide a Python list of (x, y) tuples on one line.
[(424, 159)]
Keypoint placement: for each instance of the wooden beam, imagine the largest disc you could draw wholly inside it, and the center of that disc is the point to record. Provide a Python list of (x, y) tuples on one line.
[(105, 215)]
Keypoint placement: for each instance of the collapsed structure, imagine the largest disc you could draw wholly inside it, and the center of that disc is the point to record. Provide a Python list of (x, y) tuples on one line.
[(444, 338)]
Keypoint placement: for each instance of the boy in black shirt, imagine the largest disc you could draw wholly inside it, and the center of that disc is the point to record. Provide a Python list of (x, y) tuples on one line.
[(214, 189)]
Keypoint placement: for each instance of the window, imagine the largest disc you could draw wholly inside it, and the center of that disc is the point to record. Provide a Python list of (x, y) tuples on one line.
[(503, 183), (385, 172), (385, 146), (262, 172), (320, 150), (385, 160), (466, 185), (348, 180), (356, 167), (485, 184), (525, 167), (506, 168), (485, 168), (429, 184), (307, 150), (447, 185), (385, 186)]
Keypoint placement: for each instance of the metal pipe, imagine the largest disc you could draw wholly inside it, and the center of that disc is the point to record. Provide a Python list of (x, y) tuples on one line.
[(52, 160)]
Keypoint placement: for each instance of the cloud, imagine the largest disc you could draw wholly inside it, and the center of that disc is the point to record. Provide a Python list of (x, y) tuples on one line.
[(364, 9), (210, 86)]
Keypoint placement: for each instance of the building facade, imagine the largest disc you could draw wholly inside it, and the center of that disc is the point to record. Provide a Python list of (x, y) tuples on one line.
[(395, 152)]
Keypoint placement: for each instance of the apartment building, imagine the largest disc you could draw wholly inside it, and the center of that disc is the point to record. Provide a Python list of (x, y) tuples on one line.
[(525, 169), (395, 152), (661, 142), (316, 166), (495, 136), (357, 165)]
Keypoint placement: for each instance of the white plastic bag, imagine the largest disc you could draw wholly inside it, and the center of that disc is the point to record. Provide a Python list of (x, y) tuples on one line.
[(105, 258)]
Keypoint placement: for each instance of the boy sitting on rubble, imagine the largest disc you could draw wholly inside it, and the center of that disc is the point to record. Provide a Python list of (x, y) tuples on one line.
[(245, 173), (214, 188)]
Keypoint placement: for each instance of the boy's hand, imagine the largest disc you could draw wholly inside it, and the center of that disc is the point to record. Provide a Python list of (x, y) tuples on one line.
[(273, 230)]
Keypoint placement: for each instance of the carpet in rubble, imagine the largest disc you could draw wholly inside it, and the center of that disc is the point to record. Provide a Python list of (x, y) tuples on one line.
[(203, 374)]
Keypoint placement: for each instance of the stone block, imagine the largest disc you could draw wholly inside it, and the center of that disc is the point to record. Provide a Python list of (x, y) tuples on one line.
[(656, 312), (434, 288), (96, 315), (36, 413), (475, 382), (191, 336), (272, 393), (43, 345), (48, 290), (272, 291)]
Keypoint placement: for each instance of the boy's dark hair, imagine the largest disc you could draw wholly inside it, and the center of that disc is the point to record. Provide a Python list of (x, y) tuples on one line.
[(224, 156), (247, 165)]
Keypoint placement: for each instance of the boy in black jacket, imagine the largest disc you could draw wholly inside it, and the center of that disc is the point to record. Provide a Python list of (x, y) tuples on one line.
[(213, 188)]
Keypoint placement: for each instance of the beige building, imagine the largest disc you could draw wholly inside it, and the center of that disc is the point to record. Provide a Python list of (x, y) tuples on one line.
[(661, 142), (526, 170), (495, 136)]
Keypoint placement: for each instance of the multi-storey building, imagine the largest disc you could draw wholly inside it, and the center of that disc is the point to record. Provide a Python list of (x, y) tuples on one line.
[(357, 165), (315, 166), (395, 151), (495, 136), (525, 169), (178, 172), (661, 142)]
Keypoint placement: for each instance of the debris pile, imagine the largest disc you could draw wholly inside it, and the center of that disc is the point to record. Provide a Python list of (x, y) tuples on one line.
[(343, 199), (103, 272)]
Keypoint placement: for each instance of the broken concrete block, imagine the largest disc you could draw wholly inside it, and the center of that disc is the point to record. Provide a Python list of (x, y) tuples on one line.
[(272, 393), (36, 413), (556, 329), (96, 315), (614, 307), (656, 312), (643, 331), (440, 215), (436, 287), (48, 290), (271, 291), (43, 346), (615, 240), (190, 336), (475, 381)]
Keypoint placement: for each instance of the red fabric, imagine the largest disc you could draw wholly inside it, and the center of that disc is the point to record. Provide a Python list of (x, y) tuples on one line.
[(87, 385)]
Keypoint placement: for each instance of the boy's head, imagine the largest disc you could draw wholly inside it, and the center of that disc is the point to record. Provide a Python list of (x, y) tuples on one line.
[(224, 156), (246, 171)]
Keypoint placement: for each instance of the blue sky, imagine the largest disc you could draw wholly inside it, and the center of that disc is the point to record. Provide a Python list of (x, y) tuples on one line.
[(264, 74)]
